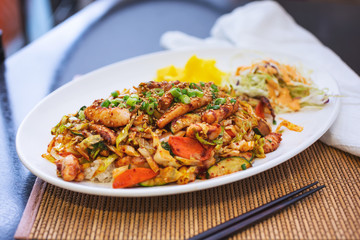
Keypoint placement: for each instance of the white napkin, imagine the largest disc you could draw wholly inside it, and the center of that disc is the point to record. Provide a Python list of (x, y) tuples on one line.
[(266, 25)]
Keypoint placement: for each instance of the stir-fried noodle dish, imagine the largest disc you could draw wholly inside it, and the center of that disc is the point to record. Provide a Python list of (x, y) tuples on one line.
[(169, 131)]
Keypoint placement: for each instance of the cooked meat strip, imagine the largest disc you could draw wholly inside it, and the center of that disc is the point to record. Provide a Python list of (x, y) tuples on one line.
[(181, 108), (215, 116), (109, 117)]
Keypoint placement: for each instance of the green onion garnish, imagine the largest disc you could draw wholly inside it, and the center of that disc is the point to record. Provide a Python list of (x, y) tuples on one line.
[(115, 94), (184, 99), (243, 166), (131, 101), (214, 88), (191, 93), (159, 91), (150, 108), (151, 99), (175, 92), (126, 97), (194, 86), (220, 101), (195, 93), (184, 91), (215, 107), (202, 84), (116, 102), (213, 95), (105, 103), (199, 93), (233, 100), (143, 106)]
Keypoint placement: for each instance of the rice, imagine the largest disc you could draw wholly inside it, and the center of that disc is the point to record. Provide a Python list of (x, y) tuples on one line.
[(103, 177)]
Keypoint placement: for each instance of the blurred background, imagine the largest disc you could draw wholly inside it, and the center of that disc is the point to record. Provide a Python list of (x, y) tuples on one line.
[(336, 23), (23, 21)]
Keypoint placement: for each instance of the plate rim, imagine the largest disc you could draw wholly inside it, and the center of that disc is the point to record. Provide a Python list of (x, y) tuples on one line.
[(172, 189)]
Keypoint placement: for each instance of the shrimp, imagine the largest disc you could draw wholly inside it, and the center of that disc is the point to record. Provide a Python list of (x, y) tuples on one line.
[(109, 117), (272, 142), (181, 108), (69, 168), (215, 116)]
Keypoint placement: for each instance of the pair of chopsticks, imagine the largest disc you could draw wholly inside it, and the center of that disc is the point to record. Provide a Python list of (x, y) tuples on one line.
[(241, 222)]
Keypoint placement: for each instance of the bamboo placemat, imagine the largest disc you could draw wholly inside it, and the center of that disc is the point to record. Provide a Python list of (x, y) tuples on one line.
[(332, 213)]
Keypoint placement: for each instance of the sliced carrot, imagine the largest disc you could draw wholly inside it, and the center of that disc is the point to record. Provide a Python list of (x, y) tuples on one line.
[(133, 176), (189, 147), (259, 110)]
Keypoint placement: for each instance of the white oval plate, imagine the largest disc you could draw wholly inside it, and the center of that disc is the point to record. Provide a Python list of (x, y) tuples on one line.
[(34, 133)]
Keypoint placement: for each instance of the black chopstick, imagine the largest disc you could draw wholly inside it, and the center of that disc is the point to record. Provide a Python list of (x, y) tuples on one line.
[(246, 219)]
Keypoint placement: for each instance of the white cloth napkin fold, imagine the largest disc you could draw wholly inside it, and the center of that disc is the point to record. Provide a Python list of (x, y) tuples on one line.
[(266, 25)]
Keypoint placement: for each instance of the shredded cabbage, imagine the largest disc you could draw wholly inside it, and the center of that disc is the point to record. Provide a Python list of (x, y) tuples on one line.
[(285, 87)]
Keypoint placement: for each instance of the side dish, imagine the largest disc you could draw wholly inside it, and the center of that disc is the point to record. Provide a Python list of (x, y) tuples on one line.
[(285, 87)]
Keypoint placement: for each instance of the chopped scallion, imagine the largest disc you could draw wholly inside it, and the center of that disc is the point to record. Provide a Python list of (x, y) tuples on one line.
[(243, 166), (220, 101), (143, 106), (115, 94), (150, 108), (116, 102), (131, 101), (105, 103), (192, 93), (215, 107), (175, 92), (184, 99), (159, 91), (195, 93), (151, 99), (214, 88)]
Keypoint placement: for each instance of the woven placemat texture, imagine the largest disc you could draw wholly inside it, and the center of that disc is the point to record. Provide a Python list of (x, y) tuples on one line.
[(334, 212)]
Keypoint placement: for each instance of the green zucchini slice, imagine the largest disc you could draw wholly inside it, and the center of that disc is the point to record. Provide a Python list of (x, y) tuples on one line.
[(157, 181), (227, 166)]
